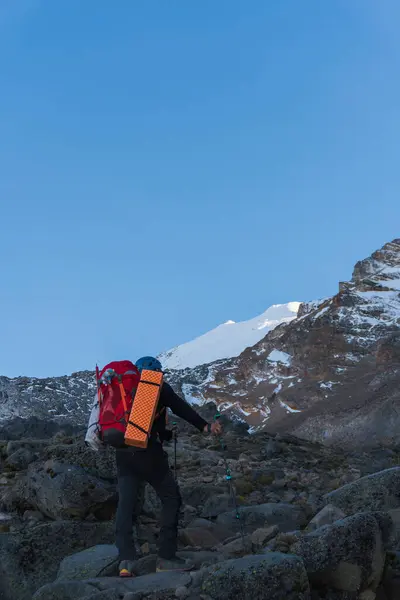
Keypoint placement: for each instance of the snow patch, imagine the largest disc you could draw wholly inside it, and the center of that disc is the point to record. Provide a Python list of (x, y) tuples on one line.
[(288, 408), (4, 517), (328, 385), (279, 356), (189, 395)]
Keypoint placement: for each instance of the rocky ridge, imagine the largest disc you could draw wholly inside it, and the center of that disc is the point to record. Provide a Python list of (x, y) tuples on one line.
[(331, 375)]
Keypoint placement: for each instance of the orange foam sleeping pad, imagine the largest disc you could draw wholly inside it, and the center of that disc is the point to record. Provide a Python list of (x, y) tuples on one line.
[(144, 409)]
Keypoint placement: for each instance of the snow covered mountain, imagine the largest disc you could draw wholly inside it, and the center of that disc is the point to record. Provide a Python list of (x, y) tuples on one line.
[(229, 339), (332, 374)]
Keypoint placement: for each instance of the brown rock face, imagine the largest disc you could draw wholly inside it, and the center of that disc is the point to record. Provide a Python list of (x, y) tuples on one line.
[(331, 375)]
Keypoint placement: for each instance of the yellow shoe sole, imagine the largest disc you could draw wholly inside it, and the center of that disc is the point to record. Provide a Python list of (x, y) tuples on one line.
[(125, 573)]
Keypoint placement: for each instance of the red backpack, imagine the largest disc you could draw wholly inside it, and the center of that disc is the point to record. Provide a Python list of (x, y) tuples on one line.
[(116, 384)]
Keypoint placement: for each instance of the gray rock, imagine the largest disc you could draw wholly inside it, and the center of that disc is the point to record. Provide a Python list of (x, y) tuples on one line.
[(99, 464), (328, 515), (63, 491), (380, 491), (33, 516), (273, 449), (32, 445), (20, 459), (198, 537), (93, 562), (182, 592), (395, 516), (202, 558), (237, 548), (34, 427), (204, 534), (107, 595), (160, 583), (250, 577), (65, 590), (287, 516), (195, 494), (31, 558), (263, 535), (216, 505), (348, 555)]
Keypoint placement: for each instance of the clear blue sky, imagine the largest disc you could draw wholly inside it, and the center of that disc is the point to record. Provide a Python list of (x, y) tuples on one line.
[(166, 165)]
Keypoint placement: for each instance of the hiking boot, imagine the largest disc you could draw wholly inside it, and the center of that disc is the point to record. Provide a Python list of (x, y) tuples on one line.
[(126, 568), (174, 564)]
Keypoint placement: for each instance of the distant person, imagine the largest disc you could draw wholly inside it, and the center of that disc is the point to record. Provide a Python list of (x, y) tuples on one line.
[(135, 466)]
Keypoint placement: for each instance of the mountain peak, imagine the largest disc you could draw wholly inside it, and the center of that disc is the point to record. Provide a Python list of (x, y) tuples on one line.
[(380, 270), (229, 339)]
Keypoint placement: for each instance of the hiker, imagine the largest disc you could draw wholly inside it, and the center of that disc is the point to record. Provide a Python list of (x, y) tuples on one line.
[(139, 465), (151, 465)]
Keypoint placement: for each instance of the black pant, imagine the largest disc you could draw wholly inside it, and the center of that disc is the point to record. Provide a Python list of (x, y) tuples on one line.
[(133, 468)]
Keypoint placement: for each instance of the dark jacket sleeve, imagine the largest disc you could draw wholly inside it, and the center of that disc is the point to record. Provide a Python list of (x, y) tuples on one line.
[(180, 407)]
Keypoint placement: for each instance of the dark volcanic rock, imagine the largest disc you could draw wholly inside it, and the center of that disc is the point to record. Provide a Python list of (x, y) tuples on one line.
[(380, 491), (31, 558), (101, 560), (348, 555), (250, 577), (63, 491)]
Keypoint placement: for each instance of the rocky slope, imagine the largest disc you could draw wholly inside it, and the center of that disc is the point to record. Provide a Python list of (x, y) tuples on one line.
[(332, 374), (318, 523), (65, 398)]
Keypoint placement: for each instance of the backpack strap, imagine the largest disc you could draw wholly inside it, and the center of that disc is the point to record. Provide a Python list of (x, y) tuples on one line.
[(123, 395), (98, 385), (139, 428), (160, 412)]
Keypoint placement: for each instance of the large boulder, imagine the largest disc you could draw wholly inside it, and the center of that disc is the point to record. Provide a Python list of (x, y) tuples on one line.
[(92, 562), (328, 515), (349, 555), (380, 491), (100, 464), (62, 491), (288, 517), (274, 575), (31, 558)]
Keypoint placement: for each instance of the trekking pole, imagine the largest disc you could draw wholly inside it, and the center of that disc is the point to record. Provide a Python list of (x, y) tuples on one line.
[(175, 434), (228, 477)]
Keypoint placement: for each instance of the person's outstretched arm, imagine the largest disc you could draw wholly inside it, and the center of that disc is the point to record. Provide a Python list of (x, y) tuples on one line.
[(182, 409)]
